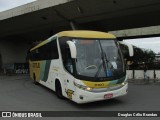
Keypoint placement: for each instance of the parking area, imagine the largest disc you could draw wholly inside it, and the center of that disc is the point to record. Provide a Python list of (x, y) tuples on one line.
[(18, 93)]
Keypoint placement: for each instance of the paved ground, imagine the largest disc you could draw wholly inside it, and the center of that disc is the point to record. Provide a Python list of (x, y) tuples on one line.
[(20, 94)]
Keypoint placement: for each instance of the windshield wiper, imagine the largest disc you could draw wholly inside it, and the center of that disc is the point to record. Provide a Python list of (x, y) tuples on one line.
[(99, 68), (104, 61)]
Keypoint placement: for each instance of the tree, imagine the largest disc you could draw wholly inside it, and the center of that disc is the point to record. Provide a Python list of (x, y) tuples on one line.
[(149, 56), (140, 57)]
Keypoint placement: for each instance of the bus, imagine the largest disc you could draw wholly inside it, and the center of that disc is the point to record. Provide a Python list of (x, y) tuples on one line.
[(83, 66)]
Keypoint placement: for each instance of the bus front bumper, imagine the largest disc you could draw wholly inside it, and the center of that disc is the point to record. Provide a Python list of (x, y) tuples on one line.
[(86, 96)]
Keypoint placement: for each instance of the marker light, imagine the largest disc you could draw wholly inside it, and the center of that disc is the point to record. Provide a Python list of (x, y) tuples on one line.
[(125, 82), (88, 89)]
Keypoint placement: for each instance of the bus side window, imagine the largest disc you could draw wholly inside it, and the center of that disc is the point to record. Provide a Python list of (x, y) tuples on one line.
[(49, 51), (34, 55), (54, 50)]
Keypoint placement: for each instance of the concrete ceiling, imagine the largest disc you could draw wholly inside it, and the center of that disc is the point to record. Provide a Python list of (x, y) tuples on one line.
[(103, 15)]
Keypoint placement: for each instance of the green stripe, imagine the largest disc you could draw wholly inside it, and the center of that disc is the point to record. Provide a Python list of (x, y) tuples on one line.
[(113, 82), (121, 80), (42, 70), (46, 70)]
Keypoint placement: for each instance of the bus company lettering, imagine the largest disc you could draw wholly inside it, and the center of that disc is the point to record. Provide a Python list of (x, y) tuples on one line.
[(99, 84), (36, 65)]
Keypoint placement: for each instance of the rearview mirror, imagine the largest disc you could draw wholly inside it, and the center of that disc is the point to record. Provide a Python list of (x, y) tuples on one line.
[(130, 48), (73, 49)]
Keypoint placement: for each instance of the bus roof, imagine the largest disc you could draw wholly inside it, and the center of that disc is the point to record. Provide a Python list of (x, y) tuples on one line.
[(85, 34), (79, 34)]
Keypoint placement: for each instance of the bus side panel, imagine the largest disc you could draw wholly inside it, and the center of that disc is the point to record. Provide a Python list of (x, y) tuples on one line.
[(31, 70), (37, 70), (53, 74)]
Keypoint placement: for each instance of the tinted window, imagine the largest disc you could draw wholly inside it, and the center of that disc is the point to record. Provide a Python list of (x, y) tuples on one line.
[(46, 52)]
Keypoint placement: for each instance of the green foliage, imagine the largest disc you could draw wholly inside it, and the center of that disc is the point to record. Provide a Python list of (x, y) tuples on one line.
[(140, 55), (143, 55)]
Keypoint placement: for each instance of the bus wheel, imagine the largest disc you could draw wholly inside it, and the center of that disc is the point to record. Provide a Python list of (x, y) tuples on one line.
[(58, 90), (34, 79)]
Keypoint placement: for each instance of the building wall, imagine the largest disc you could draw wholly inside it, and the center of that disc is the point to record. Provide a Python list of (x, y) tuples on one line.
[(139, 74), (12, 52)]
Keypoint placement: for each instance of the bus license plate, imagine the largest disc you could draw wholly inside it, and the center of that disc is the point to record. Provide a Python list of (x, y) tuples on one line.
[(108, 96)]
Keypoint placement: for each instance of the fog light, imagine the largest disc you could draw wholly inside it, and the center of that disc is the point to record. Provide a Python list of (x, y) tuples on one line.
[(81, 97)]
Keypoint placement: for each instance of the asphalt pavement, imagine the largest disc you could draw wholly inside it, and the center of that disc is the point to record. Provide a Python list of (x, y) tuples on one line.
[(19, 93)]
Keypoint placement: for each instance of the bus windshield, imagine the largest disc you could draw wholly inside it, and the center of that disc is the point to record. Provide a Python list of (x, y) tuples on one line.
[(98, 58)]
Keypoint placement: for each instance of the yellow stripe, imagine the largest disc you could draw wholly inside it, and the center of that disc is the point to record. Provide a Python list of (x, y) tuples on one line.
[(96, 84), (86, 34), (40, 44), (80, 34), (35, 68)]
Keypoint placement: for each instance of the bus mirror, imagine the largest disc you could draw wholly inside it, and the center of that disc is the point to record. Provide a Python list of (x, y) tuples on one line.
[(130, 48), (73, 50)]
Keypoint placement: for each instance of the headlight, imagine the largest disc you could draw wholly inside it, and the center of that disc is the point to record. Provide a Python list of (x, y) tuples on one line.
[(82, 87)]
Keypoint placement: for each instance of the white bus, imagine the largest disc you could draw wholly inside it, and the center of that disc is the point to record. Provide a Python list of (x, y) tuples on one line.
[(83, 66)]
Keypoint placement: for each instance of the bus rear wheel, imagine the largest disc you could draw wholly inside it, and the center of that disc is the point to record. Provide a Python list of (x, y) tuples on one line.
[(58, 90)]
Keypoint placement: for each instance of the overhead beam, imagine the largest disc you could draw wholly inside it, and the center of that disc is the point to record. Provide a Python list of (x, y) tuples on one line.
[(137, 32), (30, 7)]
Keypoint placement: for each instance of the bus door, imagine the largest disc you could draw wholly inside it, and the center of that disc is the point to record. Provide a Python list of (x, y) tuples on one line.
[(68, 75)]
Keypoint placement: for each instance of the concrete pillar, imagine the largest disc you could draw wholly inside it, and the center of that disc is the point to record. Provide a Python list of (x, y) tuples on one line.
[(0, 61)]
